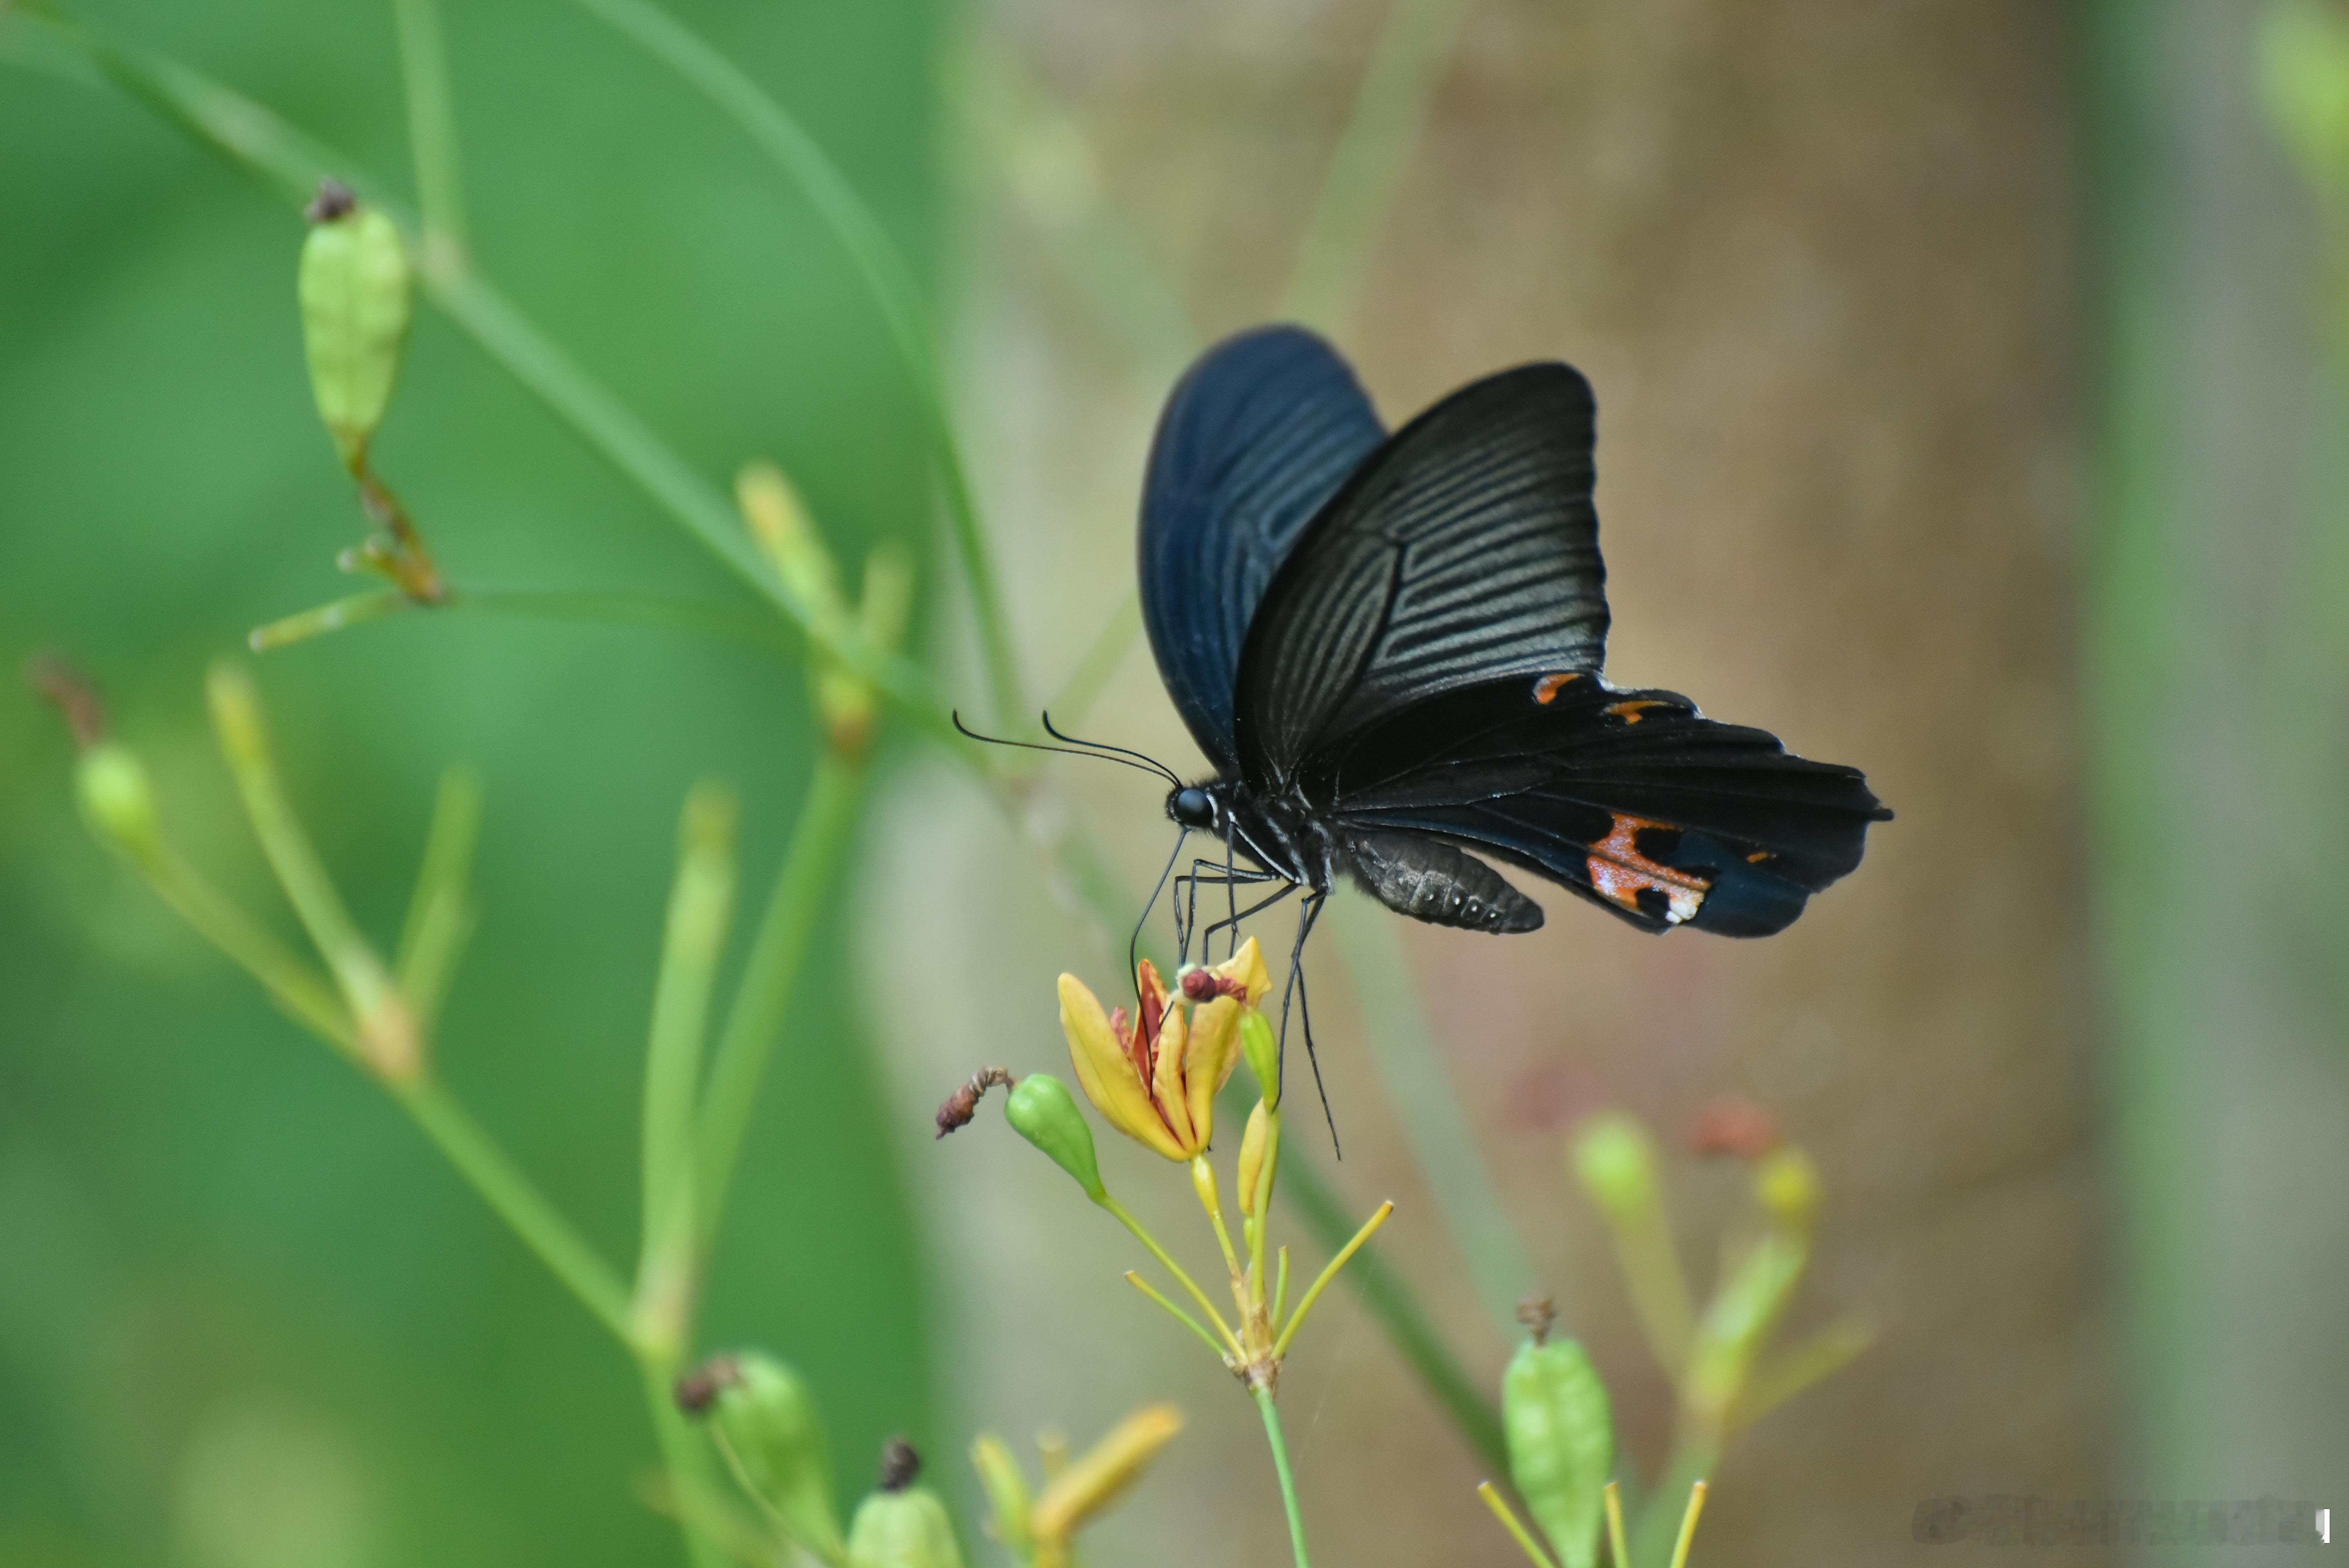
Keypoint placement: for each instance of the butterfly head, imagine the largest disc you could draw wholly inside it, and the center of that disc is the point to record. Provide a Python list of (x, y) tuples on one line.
[(1192, 806)]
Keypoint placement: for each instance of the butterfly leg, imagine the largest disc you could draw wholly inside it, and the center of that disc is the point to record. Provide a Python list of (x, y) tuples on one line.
[(1207, 936), (1306, 916), (1210, 874)]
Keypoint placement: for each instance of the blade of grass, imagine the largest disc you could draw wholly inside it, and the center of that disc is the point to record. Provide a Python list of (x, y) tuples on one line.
[(432, 126), (776, 132), (1367, 168)]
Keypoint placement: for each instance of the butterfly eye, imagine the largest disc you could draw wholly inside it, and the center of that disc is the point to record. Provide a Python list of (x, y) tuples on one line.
[(1191, 808)]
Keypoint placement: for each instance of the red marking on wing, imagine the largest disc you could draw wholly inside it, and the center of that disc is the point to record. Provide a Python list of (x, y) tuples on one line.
[(1619, 872), (1629, 712), (1546, 689)]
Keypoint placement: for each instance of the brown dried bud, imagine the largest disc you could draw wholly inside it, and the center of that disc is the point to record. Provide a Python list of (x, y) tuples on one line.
[(1538, 1312), (699, 1388), (1738, 1127), (335, 200), (900, 1464), (963, 1104)]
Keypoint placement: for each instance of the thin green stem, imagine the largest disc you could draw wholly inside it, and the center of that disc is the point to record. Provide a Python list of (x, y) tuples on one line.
[(1373, 152), (1693, 1457), (1118, 1211), (1188, 1321), (1264, 1403), (700, 907), (1510, 1523), (775, 131), (685, 1457), (1203, 1182), (1280, 1286), (433, 124), (388, 1041), (1411, 1068), (332, 617), (1321, 1282), (441, 913), (1822, 1356), (762, 999), (307, 998), (487, 1169), (1395, 1307), (595, 606)]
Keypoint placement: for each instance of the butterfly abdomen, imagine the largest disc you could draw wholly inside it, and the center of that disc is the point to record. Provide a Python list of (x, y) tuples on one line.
[(1429, 880)]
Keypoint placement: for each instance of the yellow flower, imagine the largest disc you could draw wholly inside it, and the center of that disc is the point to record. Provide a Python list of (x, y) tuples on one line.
[(1157, 1083)]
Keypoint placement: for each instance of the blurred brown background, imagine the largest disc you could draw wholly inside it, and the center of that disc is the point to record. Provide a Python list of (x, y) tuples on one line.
[(1825, 266)]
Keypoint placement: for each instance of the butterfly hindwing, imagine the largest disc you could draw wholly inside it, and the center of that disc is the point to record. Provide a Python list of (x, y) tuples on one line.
[(1631, 798), (1465, 548), (1254, 440)]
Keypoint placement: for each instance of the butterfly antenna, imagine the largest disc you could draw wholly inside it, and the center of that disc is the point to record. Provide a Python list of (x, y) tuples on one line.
[(1133, 943), (1158, 769), (1163, 772)]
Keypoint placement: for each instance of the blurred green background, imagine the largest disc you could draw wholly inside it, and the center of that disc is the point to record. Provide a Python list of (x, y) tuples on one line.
[(226, 1251), (1973, 412)]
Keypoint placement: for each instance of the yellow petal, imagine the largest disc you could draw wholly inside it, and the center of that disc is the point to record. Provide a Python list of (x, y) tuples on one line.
[(1108, 1078), (1168, 1089), (1246, 966), (1088, 1487), (1213, 1051)]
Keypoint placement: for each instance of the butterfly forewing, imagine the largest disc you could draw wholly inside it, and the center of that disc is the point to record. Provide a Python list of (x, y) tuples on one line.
[(1466, 548), (1254, 440)]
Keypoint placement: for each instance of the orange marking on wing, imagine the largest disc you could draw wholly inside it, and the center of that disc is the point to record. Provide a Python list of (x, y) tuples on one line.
[(1546, 689), (1757, 857), (1629, 712), (1619, 872)]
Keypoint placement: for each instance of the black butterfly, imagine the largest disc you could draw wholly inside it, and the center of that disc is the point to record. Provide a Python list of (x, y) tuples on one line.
[(1389, 647)]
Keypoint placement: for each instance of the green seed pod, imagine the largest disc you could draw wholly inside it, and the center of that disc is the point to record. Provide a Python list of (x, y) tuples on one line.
[(767, 1424), (352, 286), (1043, 1111), (907, 1528), (116, 798), (1561, 1439), (1263, 1054)]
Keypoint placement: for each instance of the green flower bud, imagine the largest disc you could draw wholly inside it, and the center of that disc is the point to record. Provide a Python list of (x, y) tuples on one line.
[(1787, 1184), (1561, 1437), (116, 798), (1263, 1054), (1041, 1110), (902, 1527), (767, 1425), (1617, 1164), (352, 286)]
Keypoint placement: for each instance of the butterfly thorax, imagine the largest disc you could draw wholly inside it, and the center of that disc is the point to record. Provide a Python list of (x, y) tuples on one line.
[(1278, 832)]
